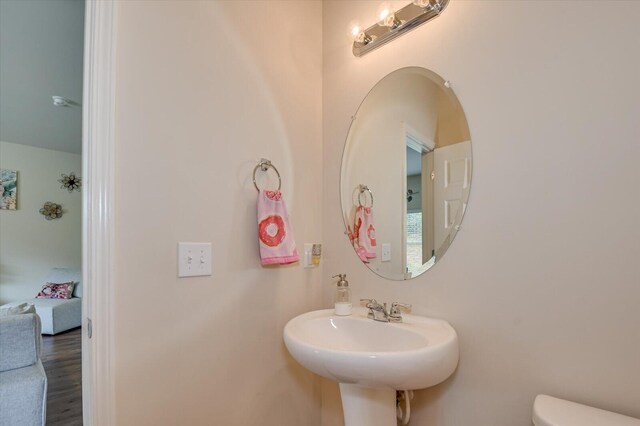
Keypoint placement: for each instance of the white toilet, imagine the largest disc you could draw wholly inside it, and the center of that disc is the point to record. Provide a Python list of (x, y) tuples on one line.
[(549, 411)]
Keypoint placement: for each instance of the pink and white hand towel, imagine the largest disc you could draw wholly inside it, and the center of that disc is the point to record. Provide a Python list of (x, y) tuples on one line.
[(275, 234), (364, 233)]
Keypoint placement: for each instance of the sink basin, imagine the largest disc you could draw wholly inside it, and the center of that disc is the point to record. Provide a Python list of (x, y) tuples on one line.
[(417, 353), (364, 356)]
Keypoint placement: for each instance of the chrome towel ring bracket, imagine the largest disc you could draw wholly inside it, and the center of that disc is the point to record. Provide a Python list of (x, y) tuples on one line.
[(362, 189), (264, 165)]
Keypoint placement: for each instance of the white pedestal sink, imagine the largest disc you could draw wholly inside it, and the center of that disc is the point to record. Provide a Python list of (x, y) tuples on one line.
[(371, 359)]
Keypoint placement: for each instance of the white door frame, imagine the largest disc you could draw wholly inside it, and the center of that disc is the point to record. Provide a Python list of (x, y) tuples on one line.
[(98, 109)]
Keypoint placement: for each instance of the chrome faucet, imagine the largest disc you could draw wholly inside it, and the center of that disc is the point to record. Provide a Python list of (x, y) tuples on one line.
[(378, 312)]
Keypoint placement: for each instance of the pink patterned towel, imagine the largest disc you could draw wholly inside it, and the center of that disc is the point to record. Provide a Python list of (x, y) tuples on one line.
[(363, 235), (277, 244)]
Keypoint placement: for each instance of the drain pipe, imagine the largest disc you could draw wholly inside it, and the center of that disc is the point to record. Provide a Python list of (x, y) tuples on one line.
[(403, 406)]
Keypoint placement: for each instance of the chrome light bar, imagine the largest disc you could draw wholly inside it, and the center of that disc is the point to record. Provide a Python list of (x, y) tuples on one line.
[(395, 24)]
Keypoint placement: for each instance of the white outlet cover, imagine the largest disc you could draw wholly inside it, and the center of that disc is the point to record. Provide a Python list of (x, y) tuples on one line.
[(194, 259)]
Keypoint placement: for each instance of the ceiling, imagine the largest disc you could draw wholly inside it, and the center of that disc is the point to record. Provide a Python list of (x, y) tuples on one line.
[(41, 50)]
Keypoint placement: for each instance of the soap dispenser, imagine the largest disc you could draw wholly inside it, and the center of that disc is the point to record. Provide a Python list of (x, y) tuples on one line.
[(343, 296)]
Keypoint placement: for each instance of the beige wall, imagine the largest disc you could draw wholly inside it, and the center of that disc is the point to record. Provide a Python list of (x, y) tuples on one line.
[(543, 281), (30, 245), (204, 89)]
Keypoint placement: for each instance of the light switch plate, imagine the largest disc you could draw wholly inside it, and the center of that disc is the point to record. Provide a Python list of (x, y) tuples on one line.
[(194, 259), (386, 252)]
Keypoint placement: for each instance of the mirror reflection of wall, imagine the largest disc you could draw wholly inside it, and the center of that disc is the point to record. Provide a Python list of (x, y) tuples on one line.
[(410, 145)]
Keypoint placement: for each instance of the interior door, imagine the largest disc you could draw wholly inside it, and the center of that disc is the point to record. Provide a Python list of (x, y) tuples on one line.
[(452, 167)]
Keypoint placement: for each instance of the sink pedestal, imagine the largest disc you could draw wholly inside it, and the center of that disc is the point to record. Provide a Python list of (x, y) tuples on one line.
[(356, 351), (368, 407)]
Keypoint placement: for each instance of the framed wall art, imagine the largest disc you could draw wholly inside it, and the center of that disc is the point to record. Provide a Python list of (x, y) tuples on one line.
[(8, 189)]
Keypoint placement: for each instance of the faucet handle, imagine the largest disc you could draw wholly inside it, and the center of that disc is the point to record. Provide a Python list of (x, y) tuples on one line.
[(374, 304), (370, 305), (400, 305), (395, 313)]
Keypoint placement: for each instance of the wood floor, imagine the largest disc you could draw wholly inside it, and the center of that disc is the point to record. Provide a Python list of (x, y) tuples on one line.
[(62, 360)]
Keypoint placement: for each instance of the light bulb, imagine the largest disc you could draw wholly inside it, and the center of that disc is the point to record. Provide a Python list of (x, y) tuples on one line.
[(422, 3), (353, 29), (363, 38), (391, 21), (427, 5), (384, 10)]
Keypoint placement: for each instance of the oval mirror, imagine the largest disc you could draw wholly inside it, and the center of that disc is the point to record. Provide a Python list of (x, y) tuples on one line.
[(406, 173)]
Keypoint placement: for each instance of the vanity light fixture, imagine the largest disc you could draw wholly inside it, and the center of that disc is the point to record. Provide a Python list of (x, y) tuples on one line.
[(393, 24)]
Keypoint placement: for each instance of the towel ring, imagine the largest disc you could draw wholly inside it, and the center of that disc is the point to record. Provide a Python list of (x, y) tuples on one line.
[(264, 165), (364, 188)]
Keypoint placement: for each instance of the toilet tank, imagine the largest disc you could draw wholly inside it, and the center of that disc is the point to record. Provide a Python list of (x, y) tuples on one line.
[(549, 411)]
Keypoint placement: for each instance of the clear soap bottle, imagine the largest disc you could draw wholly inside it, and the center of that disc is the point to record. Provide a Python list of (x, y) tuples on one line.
[(343, 296)]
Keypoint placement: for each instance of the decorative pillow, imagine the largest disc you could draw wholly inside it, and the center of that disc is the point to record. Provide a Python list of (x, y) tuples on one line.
[(56, 291)]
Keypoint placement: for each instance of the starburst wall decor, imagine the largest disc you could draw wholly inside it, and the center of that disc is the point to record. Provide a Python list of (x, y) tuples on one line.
[(70, 182)]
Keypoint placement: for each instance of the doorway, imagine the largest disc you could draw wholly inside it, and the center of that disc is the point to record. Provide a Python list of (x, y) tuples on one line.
[(417, 210), (41, 144)]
